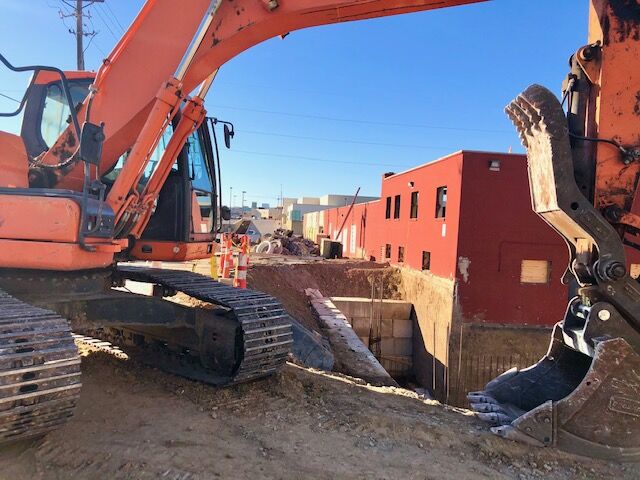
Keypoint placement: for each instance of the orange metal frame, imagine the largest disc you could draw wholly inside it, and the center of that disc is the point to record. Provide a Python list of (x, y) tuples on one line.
[(172, 251)]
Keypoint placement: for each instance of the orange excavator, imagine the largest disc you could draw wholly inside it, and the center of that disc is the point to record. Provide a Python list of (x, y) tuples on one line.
[(118, 168)]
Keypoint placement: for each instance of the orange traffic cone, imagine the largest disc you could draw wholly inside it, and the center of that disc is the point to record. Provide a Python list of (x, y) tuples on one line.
[(240, 280), (223, 253), (227, 265)]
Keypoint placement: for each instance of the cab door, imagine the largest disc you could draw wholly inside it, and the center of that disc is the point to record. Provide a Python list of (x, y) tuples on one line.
[(183, 224), (202, 187)]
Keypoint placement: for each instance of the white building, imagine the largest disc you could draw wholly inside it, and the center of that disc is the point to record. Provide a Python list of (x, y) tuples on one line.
[(295, 209)]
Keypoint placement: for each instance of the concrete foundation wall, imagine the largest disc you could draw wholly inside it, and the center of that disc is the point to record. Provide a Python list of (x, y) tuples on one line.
[(488, 351), (433, 302), (451, 355), (396, 329), (351, 355)]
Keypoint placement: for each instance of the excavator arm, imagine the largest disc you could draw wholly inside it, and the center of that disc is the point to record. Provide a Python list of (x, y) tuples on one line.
[(583, 167), (203, 38)]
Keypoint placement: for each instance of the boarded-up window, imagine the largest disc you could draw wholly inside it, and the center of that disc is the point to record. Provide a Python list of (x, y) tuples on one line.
[(387, 250), (387, 213), (535, 271), (400, 254), (396, 207)]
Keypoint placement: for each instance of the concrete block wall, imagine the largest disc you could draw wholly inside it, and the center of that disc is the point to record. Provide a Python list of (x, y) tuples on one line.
[(351, 355), (396, 329)]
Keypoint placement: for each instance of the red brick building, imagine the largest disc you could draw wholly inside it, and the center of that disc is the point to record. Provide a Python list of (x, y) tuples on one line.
[(466, 216), (492, 288)]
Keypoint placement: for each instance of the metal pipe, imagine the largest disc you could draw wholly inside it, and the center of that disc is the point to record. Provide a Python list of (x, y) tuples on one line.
[(185, 63), (206, 85), (347, 215)]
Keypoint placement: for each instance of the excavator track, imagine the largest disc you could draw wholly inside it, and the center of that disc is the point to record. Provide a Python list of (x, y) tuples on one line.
[(39, 370), (263, 337)]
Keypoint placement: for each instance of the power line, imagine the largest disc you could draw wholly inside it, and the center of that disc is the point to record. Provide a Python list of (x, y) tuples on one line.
[(336, 140), (89, 44), (114, 17), (106, 24), (100, 50), (366, 122), (314, 159), (10, 98)]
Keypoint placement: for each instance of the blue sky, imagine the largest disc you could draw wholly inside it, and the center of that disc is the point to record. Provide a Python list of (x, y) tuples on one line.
[(330, 109)]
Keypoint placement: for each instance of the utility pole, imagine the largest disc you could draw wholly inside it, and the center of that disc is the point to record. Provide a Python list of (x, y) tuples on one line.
[(79, 30), (230, 202), (243, 192)]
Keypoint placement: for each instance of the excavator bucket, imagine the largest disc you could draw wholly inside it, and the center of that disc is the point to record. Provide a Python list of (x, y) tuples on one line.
[(583, 396), (570, 401)]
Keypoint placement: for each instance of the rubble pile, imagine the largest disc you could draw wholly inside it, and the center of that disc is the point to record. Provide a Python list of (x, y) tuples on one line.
[(286, 243), (296, 245)]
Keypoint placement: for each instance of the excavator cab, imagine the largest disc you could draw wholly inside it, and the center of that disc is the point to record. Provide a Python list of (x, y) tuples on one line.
[(187, 212)]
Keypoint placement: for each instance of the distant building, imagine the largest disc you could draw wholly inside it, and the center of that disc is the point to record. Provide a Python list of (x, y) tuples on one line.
[(254, 205), (271, 213), (264, 205), (294, 210)]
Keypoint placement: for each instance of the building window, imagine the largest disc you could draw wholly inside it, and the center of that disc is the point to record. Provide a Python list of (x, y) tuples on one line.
[(414, 205), (535, 271), (426, 260), (387, 213), (387, 251), (494, 165), (441, 202), (400, 254), (396, 207)]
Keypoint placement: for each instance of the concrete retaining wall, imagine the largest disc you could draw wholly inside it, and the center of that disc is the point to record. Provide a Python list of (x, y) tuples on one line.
[(451, 355), (396, 329), (433, 303), (351, 355)]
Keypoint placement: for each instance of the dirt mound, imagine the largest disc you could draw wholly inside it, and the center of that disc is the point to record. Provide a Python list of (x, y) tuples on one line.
[(134, 422), (333, 278)]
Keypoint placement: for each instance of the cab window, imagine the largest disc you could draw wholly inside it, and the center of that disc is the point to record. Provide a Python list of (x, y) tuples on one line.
[(153, 161), (56, 114), (198, 166), (201, 183)]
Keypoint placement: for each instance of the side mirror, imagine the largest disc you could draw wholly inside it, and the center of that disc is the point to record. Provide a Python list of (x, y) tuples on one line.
[(228, 135), (91, 138), (225, 213)]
